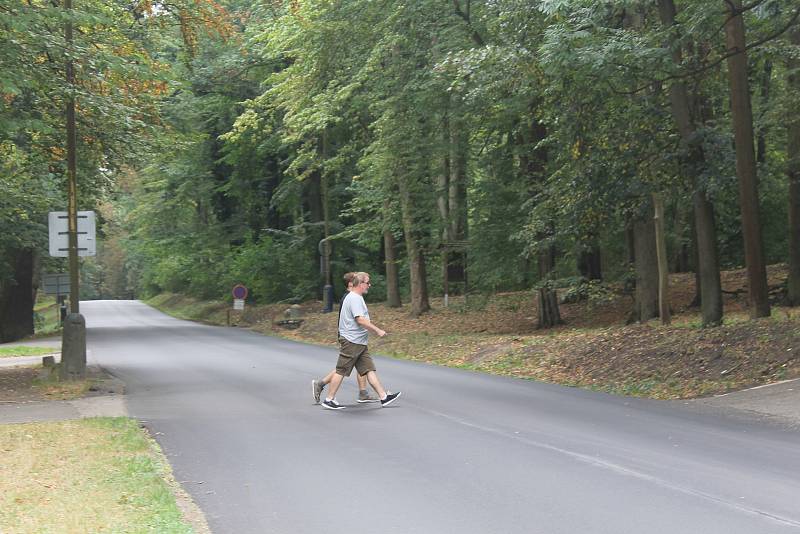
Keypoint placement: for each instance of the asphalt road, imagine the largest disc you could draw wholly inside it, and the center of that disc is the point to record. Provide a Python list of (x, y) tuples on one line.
[(459, 452)]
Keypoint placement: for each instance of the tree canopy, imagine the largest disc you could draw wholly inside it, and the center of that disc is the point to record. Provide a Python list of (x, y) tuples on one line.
[(442, 146)]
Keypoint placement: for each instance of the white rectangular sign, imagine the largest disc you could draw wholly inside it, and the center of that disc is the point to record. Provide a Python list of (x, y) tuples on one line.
[(59, 234), (238, 304)]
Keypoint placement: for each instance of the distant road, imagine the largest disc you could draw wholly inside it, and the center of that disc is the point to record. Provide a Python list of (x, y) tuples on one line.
[(459, 453)]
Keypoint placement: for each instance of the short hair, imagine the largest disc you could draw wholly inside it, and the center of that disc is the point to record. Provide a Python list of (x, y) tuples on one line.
[(359, 277), (348, 278)]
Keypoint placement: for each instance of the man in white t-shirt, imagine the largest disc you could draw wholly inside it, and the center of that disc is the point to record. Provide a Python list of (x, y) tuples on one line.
[(354, 328)]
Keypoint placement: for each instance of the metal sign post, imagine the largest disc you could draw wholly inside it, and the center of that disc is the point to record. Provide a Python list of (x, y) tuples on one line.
[(58, 285), (239, 293)]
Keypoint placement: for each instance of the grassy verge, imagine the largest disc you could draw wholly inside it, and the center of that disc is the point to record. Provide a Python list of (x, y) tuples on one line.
[(46, 316), (90, 475), (16, 351), (181, 307), (53, 388)]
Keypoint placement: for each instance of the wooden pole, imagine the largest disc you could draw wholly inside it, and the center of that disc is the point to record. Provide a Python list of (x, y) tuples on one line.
[(72, 186), (73, 341)]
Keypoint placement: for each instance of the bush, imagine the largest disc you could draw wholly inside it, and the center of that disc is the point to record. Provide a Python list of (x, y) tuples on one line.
[(274, 270), (579, 289)]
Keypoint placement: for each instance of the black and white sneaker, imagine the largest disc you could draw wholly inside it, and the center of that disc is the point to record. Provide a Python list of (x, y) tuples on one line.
[(332, 405), (390, 398)]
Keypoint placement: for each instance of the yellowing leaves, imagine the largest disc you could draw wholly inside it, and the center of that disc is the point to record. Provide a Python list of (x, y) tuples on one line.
[(576, 149)]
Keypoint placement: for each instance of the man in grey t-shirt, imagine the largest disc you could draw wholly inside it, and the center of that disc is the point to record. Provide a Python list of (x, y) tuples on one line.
[(354, 328), (317, 386)]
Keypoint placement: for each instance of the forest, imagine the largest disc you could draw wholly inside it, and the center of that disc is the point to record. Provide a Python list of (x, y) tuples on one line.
[(445, 147)]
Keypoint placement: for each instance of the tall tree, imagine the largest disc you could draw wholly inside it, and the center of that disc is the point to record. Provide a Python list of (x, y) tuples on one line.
[(115, 76), (646, 266), (793, 172), (745, 159), (710, 287)]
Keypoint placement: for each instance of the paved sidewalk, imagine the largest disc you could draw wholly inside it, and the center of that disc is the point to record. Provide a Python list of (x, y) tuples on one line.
[(99, 406), (778, 402), (27, 360), (107, 399)]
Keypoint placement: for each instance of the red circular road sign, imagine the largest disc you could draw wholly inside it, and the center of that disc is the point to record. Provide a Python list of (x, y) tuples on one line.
[(239, 292)]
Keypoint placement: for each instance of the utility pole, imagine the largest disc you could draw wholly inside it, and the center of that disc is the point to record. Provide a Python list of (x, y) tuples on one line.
[(73, 342)]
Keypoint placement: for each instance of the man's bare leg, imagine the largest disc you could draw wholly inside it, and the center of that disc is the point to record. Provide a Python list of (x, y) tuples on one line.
[(335, 382), (362, 380), (363, 396), (372, 378)]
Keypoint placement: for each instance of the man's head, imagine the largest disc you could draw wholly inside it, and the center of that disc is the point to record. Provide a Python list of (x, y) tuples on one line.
[(361, 283)]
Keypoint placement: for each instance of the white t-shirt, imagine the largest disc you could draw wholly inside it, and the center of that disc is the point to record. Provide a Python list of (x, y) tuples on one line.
[(353, 306)]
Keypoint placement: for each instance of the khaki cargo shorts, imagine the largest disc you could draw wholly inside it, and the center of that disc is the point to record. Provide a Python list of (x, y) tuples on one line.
[(353, 355)]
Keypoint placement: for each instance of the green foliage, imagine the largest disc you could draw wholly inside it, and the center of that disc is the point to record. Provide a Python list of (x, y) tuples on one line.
[(273, 269), (578, 289), (235, 152)]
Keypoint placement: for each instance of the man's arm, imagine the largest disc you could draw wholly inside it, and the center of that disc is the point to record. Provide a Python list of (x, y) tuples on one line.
[(366, 323)]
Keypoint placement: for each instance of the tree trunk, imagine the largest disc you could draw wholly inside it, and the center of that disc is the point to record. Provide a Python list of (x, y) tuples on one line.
[(532, 162), (546, 261), (589, 262), (681, 262), (16, 298), (708, 287), (696, 257), (646, 266), (392, 278), (457, 193), (324, 198), (793, 174), (443, 184), (761, 142), (745, 161), (549, 315), (630, 242), (416, 259), (661, 254), (313, 201), (452, 194), (547, 297)]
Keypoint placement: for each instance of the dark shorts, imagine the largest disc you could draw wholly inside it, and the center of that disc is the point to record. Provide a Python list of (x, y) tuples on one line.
[(353, 355)]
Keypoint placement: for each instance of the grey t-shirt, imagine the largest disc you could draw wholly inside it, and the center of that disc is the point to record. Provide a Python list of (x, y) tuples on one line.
[(353, 306)]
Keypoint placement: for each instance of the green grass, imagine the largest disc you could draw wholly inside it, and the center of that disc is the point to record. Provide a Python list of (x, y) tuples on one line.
[(14, 351), (46, 316), (90, 475), (182, 307)]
